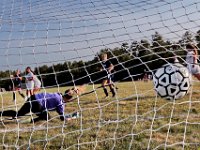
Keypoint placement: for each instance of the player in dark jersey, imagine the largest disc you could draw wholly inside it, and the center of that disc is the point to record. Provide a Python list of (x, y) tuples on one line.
[(107, 68), (41, 103), (17, 80)]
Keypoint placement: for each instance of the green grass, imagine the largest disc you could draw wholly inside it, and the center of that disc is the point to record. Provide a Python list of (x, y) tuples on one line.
[(135, 119)]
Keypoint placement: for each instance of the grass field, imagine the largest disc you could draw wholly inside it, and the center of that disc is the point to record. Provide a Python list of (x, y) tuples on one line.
[(135, 119)]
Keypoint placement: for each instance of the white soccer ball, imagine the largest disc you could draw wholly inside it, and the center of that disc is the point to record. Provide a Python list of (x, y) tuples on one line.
[(172, 81)]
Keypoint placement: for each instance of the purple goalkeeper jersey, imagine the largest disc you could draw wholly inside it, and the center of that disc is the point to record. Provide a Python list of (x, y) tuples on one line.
[(51, 101)]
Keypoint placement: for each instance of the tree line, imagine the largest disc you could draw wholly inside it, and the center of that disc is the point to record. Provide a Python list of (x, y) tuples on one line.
[(131, 61)]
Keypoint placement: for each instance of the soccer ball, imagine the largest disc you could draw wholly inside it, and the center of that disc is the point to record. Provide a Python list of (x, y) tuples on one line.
[(172, 81)]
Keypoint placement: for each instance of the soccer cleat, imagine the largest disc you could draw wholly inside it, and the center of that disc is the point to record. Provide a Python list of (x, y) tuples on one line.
[(106, 97), (29, 120), (75, 115), (72, 116)]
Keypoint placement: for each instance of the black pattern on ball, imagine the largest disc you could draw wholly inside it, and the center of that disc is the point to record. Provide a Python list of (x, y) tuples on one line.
[(172, 81)]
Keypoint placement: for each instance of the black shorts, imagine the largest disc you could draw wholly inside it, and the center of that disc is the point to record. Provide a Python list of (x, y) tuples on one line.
[(106, 76), (31, 105)]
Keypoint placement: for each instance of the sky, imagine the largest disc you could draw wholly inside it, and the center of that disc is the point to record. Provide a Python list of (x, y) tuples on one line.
[(45, 32)]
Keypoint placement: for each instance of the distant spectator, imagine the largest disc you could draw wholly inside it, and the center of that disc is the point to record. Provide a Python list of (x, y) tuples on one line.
[(176, 59), (145, 78)]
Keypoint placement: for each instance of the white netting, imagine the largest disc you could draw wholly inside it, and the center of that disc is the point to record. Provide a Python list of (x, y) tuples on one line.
[(62, 41)]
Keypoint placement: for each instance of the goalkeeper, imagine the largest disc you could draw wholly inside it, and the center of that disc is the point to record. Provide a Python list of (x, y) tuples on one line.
[(41, 103)]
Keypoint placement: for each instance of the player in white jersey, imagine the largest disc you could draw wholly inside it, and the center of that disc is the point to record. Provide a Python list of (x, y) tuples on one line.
[(29, 82), (37, 84), (192, 60)]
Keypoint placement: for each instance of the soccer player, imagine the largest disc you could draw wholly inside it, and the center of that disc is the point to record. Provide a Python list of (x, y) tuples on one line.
[(41, 103), (192, 60), (17, 80), (107, 68), (29, 82), (37, 84)]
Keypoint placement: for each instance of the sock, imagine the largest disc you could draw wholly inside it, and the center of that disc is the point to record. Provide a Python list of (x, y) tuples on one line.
[(14, 96), (105, 91), (22, 95), (112, 91)]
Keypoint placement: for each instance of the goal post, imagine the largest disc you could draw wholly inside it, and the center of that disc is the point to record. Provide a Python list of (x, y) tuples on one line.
[(106, 52)]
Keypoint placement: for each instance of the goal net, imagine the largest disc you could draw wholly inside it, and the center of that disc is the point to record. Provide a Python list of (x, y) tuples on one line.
[(63, 43)]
